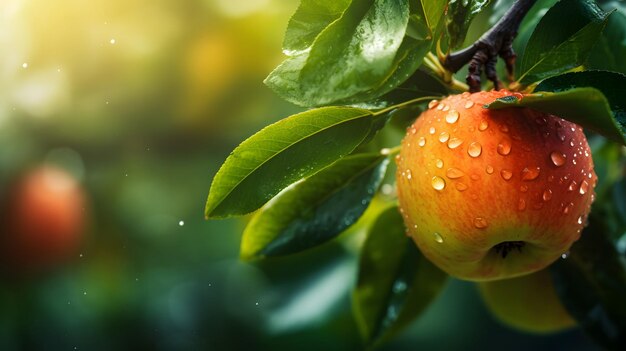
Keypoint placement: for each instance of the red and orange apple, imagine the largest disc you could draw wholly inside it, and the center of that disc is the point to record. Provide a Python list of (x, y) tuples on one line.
[(490, 194)]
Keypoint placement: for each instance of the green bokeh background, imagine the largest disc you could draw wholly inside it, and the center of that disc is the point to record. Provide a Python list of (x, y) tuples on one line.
[(142, 101)]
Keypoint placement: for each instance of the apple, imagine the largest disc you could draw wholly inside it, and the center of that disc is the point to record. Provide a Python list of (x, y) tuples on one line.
[(528, 303), (493, 194), (42, 221)]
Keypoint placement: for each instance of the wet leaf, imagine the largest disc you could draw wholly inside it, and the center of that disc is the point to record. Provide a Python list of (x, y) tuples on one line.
[(578, 97), (395, 283), (311, 17), (562, 40), (283, 153), (316, 209)]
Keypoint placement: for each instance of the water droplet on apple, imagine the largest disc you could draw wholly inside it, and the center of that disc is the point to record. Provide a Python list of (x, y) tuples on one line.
[(557, 158), (489, 169), (443, 137), (584, 186), (469, 104), (483, 125), (460, 186), (506, 174), (504, 148), (453, 143), (431, 130), (565, 255), (439, 163), (452, 116), (421, 142), (530, 173), (433, 104), (572, 186), (523, 188), (454, 173), (568, 208), (480, 223), (474, 149), (438, 183), (438, 238), (547, 195)]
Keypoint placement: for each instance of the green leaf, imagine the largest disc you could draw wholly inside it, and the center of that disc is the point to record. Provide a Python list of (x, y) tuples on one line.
[(316, 209), (611, 84), (283, 153), (395, 283), (433, 11), (591, 283), (562, 40), (587, 107), (347, 63), (356, 52), (610, 51), (311, 17), (459, 17)]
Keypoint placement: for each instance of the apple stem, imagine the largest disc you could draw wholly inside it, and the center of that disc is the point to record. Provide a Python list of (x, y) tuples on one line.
[(495, 42)]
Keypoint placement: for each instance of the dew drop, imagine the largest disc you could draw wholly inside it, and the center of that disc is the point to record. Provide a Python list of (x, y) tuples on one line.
[(475, 177), (445, 108), (530, 173), (572, 186), (439, 163), (469, 104), (489, 169), (452, 116), (431, 130), (504, 148), (460, 186), (438, 183), (557, 158), (547, 195), (584, 186), (438, 238), (565, 255), (453, 143), (181, 223), (523, 188), (443, 137), (413, 130), (483, 125), (580, 220), (440, 106), (521, 205), (433, 104), (506, 174), (409, 176), (480, 223), (568, 208), (474, 149), (421, 142), (454, 173)]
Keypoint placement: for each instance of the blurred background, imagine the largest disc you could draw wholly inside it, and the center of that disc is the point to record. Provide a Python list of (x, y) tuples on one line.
[(114, 117)]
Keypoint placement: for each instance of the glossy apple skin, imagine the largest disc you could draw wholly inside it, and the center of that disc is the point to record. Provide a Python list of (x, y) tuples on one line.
[(43, 219), (467, 183), (528, 303)]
